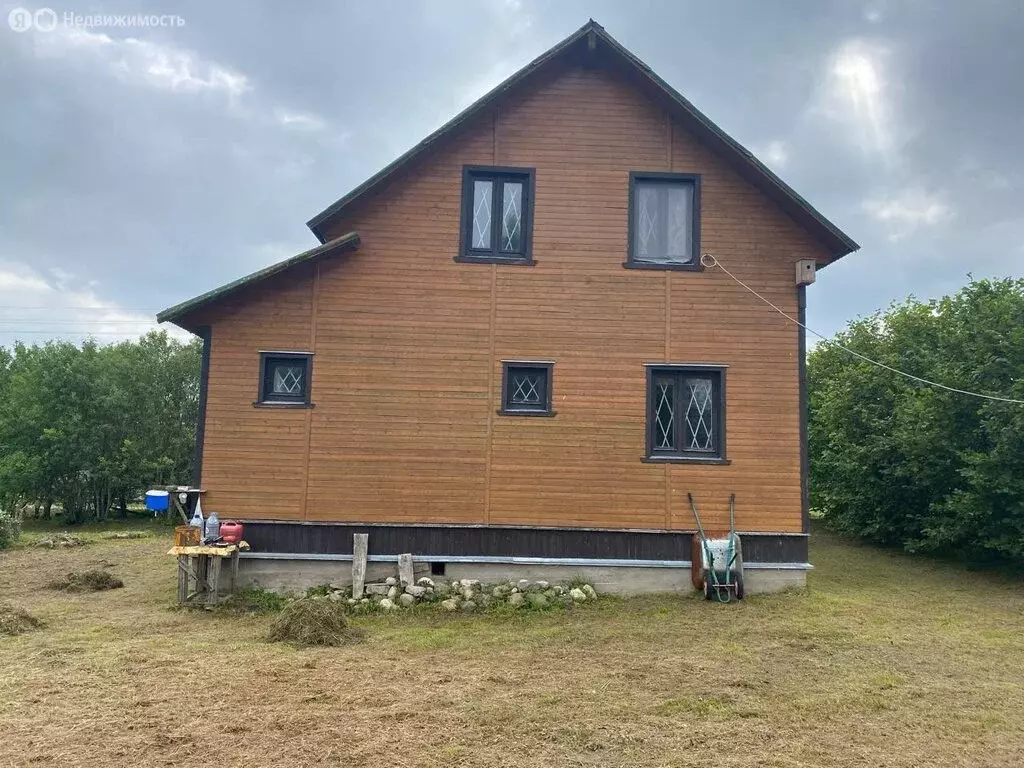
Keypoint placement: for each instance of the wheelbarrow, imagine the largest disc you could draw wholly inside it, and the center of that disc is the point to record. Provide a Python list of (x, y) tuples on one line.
[(721, 559)]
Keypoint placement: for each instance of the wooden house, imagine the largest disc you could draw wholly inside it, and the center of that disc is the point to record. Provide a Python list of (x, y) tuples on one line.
[(505, 355)]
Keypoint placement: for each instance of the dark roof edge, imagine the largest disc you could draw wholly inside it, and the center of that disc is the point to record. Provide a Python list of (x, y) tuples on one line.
[(843, 243), (172, 314), (470, 111), (839, 242)]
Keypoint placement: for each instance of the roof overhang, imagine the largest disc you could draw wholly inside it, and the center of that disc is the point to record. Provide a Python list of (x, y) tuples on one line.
[(179, 314), (592, 45)]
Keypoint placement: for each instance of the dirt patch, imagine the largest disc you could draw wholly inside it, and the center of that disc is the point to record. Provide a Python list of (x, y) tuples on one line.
[(86, 581), (17, 621), (313, 621), (60, 541)]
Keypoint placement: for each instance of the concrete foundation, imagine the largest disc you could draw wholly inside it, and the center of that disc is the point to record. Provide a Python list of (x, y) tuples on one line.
[(295, 575)]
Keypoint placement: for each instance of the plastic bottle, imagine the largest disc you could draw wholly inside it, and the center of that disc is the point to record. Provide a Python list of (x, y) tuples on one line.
[(212, 527), (197, 518)]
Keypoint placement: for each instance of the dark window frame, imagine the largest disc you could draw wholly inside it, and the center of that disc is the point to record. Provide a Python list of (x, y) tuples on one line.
[(664, 177), (510, 409), (498, 175), (718, 373), (266, 398)]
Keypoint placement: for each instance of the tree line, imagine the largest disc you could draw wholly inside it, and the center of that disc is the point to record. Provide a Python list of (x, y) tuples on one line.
[(915, 466), (91, 427)]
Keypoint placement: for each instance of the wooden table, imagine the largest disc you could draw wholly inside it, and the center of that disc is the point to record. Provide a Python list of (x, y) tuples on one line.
[(199, 572)]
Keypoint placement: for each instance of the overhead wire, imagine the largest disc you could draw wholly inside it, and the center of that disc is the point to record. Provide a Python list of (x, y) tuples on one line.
[(708, 260)]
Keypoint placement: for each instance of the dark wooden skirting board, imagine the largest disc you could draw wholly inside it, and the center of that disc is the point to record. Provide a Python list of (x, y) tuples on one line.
[(497, 541)]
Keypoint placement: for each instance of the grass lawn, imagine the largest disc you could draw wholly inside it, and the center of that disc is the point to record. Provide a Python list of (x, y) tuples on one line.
[(884, 661)]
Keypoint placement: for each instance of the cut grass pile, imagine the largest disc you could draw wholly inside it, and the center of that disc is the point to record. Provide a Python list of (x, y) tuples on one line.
[(313, 621), (16, 621), (886, 660), (63, 540), (93, 580)]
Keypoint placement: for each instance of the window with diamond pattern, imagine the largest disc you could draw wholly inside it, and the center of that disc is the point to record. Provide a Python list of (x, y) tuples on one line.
[(496, 214), (527, 389), (285, 378), (685, 413), (664, 220)]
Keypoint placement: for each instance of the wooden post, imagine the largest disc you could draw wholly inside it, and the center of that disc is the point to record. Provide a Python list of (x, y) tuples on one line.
[(234, 571), (405, 574), (360, 546), (214, 579), (193, 575), (182, 580)]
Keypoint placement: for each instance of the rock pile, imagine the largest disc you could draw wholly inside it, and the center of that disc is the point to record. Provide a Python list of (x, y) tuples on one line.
[(463, 595)]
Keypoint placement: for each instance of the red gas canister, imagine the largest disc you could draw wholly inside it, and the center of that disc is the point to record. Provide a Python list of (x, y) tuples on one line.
[(231, 531)]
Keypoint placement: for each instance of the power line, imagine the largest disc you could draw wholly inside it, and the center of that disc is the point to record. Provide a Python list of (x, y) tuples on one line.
[(708, 260)]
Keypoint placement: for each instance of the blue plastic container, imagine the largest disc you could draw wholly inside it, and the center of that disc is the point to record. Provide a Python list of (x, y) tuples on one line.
[(158, 501)]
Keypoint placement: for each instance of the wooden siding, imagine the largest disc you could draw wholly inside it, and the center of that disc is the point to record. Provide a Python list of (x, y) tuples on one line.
[(408, 344)]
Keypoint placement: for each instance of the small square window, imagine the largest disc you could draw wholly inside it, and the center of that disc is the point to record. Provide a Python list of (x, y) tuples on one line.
[(526, 389), (285, 378), (686, 413), (497, 208), (664, 221)]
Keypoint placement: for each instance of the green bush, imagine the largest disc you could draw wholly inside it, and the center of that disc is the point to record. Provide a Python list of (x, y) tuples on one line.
[(10, 529), (902, 463)]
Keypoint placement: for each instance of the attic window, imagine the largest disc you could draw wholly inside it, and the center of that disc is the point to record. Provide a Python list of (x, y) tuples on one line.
[(664, 221), (497, 215), (285, 378)]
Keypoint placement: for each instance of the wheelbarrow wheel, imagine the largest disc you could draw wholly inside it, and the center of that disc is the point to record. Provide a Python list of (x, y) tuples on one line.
[(738, 579), (709, 590)]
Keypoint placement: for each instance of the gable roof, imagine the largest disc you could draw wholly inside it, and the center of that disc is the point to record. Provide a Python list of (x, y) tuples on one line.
[(592, 43), (178, 311)]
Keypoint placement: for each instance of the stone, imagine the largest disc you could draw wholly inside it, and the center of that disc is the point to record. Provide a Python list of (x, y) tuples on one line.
[(425, 582), (470, 583), (559, 589), (469, 605), (455, 587), (523, 584), (377, 589), (407, 600), (485, 601), (589, 591), (542, 585), (550, 594), (391, 581), (334, 596), (360, 544), (353, 601), (498, 591), (515, 590), (365, 601), (516, 599), (565, 600), (451, 604), (392, 593), (387, 605), (578, 595), (405, 572), (415, 591), (467, 594), (537, 600)]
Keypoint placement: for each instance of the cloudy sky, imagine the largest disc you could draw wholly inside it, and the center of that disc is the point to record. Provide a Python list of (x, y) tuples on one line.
[(139, 167)]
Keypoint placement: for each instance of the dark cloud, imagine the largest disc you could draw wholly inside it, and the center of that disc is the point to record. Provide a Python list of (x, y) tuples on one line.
[(142, 166)]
